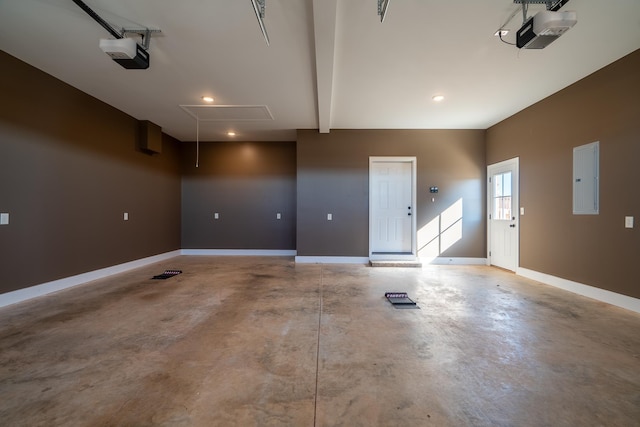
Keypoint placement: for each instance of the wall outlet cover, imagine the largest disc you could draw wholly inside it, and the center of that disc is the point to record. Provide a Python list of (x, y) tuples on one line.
[(4, 218), (628, 222)]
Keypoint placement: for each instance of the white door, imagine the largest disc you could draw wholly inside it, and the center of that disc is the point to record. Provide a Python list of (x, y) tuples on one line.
[(392, 217), (503, 215)]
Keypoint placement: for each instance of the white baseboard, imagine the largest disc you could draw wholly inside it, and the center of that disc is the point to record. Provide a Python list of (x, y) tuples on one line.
[(603, 295), (454, 261), (238, 252), (24, 294), (331, 260)]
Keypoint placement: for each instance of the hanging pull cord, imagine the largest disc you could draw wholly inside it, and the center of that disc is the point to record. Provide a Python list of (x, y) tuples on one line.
[(197, 141)]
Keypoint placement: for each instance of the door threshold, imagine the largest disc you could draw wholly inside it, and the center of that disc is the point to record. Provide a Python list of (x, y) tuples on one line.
[(397, 263), (393, 256)]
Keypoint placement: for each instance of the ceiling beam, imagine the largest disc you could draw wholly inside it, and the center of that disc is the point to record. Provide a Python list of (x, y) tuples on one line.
[(324, 27)]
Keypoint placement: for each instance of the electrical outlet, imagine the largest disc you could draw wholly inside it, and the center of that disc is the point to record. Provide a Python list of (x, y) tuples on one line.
[(278, 216), (126, 216), (4, 219), (216, 215), (628, 222), (329, 217)]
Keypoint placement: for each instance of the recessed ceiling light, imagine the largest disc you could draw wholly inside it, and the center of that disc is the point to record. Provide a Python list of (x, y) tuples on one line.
[(231, 133), (207, 99), (438, 98)]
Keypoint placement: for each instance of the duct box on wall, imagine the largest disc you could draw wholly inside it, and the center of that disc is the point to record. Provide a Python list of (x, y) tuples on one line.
[(150, 137)]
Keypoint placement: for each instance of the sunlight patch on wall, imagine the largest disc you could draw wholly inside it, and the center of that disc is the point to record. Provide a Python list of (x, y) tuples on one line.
[(441, 232)]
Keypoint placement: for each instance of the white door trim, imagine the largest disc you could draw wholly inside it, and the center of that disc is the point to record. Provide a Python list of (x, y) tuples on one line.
[(516, 205), (414, 245)]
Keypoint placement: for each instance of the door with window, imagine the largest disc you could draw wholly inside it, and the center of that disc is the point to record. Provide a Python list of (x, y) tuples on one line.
[(503, 215)]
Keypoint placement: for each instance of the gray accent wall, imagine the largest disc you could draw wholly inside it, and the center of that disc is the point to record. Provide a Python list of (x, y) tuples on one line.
[(595, 250), (247, 184), (70, 166), (333, 177)]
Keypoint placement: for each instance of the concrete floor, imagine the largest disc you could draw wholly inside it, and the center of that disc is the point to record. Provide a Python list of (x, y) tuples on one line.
[(263, 341)]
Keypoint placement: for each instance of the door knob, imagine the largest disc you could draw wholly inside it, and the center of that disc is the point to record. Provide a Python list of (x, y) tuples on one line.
[(409, 214), (512, 226)]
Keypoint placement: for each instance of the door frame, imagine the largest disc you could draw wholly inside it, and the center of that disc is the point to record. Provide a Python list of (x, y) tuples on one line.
[(515, 184), (414, 245)]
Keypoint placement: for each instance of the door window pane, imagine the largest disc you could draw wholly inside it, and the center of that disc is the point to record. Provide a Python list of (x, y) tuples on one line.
[(502, 196)]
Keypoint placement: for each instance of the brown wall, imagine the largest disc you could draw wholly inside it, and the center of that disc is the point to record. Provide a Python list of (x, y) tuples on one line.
[(591, 249), (247, 184), (333, 177), (69, 168)]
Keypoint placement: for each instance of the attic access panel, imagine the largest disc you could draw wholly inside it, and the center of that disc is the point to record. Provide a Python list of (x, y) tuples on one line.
[(228, 113)]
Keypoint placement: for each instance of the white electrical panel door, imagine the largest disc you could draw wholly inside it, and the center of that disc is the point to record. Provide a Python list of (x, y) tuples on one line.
[(586, 159)]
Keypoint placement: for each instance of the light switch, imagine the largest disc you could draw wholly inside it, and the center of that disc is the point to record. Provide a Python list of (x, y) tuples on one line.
[(628, 222), (329, 217), (521, 211), (126, 216), (4, 218), (216, 215), (278, 216)]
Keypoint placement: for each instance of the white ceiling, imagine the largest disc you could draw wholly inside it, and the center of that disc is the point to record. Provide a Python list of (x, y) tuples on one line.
[(331, 64)]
